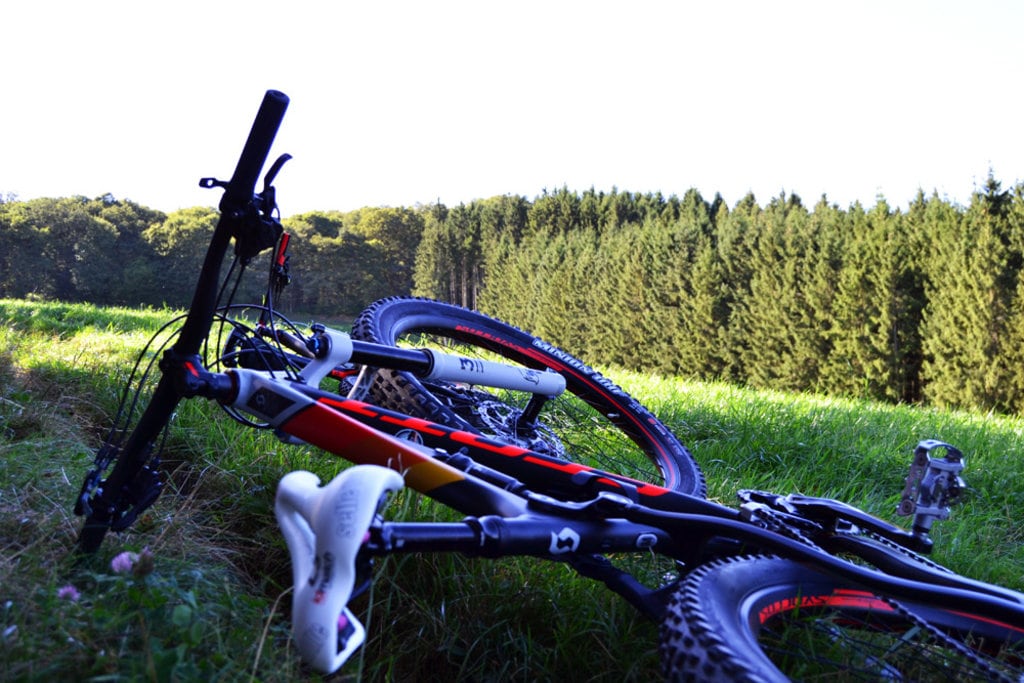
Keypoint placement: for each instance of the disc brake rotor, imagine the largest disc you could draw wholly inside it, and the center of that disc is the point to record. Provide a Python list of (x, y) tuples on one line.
[(497, 418)]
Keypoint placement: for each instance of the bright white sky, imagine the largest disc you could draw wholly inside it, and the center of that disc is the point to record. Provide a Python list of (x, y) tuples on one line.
[(398, 103)]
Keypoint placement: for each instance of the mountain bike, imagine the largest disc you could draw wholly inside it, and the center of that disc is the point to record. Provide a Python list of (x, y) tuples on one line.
[(546, 458)]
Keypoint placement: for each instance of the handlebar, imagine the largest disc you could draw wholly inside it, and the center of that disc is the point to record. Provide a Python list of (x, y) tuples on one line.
[(242, 186), (236, 206)]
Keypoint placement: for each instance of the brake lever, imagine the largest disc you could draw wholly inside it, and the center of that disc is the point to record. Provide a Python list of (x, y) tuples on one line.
[(256, 227), (268, 180), (268, 198)]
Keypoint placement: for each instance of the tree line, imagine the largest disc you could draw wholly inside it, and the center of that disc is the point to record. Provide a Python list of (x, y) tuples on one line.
[(923, 305), (115, 252)]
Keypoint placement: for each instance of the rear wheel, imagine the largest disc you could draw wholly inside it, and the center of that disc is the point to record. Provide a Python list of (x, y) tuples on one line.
[(594, 422), (767, 619)]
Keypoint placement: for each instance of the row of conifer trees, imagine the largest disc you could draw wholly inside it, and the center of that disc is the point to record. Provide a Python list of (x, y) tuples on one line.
[(923, 304)]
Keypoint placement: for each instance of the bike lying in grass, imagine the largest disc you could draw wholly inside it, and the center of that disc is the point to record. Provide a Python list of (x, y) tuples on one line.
[(547, 458)]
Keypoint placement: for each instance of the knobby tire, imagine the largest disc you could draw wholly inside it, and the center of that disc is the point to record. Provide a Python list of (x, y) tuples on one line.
[(772, 619), (594, 423)]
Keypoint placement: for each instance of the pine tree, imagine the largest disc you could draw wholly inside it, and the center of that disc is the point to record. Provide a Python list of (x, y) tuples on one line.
[(466, 257), (777, 325), (964, 323), (433, 263), (558, 211), (702, 322), (874, 314), (736, 236), (918, 245), (627, 310), (824, 243), (1013, 349), (568, 314), (690, 282)]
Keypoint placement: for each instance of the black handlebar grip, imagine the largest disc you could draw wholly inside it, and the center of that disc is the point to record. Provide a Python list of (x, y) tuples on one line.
[(242, 187)]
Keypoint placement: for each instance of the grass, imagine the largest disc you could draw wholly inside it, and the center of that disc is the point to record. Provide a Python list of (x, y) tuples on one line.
[(214, 603)]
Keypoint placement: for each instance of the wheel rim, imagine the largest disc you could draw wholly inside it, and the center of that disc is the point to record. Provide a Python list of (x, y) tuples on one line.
[(568, 427)]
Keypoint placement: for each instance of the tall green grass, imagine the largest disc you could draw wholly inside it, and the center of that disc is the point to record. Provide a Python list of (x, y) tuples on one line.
[(214, 603)]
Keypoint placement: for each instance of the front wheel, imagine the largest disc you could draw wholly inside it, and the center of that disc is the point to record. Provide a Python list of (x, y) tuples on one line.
[(771, 619), (593, 423)]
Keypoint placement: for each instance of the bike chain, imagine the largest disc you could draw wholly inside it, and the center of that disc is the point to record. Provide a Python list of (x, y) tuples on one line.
[(903, 550), (783, 525), (991, 673), (936, 633), (785, 528)]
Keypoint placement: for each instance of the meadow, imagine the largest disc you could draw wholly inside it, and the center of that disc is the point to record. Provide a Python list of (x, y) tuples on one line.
[(208, 598)]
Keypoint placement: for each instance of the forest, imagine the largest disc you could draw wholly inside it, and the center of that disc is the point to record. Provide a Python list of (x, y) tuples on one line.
[(923, 305)]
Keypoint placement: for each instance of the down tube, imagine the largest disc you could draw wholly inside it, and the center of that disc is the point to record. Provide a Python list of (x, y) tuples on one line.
[(295, 413), (542, 473), (555, 477)]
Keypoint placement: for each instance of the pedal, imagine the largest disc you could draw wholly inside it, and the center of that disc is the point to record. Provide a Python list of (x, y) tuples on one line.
[(931, 485)]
